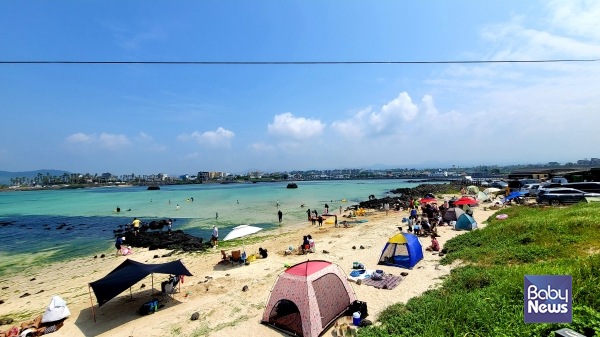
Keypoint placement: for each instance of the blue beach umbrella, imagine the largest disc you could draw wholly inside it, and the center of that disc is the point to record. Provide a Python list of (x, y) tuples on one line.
[(515, 195)]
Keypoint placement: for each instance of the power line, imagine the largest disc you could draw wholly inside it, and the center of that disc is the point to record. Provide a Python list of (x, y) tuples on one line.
[(292, 62)]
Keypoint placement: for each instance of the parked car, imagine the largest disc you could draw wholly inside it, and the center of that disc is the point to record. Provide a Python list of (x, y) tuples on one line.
[(499, 184), (531, 189), (547, 186), (559, 180), (562, 195), (590, 187)]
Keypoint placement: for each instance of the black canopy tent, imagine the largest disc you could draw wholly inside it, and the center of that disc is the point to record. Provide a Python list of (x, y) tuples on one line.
[(129, 273)]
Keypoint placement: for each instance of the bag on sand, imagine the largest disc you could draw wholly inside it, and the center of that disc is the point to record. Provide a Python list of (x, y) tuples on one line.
[(149, 307)]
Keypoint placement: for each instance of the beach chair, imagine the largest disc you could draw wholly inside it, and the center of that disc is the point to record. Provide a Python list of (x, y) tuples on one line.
[(224, 257), (238, 257), (169, 287)]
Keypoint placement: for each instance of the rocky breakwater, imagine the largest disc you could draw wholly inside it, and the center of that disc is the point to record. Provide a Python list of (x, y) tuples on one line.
[(406, 194), (177, 240)]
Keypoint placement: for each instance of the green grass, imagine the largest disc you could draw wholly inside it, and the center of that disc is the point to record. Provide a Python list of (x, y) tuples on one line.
[(485, 297)]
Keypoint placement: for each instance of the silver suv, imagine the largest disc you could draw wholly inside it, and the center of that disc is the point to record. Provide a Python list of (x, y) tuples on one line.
[(561, 196)]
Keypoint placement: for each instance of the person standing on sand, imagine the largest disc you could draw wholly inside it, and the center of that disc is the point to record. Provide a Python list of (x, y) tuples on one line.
[(308, 213), (118, 244), (136, 226), (340, 209), (169, 224), (215, 237), (320, 219), (386, 207), (280, 215), (326, 209)]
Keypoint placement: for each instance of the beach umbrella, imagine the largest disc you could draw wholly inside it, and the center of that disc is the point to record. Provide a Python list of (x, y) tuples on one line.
[(515, 195), (465, 201), (240, 232), (424, 200), (491, 190)]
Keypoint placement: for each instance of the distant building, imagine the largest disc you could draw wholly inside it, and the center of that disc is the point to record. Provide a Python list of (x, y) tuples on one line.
[(203, 176), (163, 176), (584, 162)]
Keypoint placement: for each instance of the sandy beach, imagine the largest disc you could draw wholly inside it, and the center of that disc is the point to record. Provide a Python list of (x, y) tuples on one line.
[(215, 290)]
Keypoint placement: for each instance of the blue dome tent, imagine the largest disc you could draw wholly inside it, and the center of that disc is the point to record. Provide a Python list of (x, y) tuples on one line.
[(402, 250), (465, 222)]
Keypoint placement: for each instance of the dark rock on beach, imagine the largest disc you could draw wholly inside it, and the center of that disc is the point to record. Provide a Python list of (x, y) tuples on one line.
[(406, 194), (162, 240), (24, 295)]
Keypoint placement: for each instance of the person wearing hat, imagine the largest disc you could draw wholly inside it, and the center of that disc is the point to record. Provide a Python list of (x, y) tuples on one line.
[(215, 237), (118, 244)]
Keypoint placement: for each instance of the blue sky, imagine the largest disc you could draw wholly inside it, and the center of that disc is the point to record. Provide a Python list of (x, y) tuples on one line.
[(187, 118)]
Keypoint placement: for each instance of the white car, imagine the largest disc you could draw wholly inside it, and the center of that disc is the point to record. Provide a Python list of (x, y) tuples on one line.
[(530, 188)]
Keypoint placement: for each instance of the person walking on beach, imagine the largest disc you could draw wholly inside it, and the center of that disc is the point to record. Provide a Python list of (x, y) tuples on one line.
[(320, 219), (118, 244), (386, 207), (136, 226), (215, 237), (280, 215)]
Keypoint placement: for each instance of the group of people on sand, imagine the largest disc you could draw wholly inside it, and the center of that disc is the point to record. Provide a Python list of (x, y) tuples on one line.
[(308, 245)]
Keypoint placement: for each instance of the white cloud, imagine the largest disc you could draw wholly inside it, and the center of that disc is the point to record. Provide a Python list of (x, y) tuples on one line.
[(262, 147), (104, 140), (579, 18), (394, 117), (353, 128), (79, 138), (219, 138), (286, 125)]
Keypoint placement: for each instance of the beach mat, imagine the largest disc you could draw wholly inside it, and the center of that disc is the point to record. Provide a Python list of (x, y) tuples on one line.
[(391, 281)]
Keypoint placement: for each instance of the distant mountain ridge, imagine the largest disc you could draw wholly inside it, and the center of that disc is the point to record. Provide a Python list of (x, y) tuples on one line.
[(5, 176)]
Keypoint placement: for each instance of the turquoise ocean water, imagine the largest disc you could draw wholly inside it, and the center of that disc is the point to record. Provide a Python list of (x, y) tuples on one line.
[(32, 236)]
